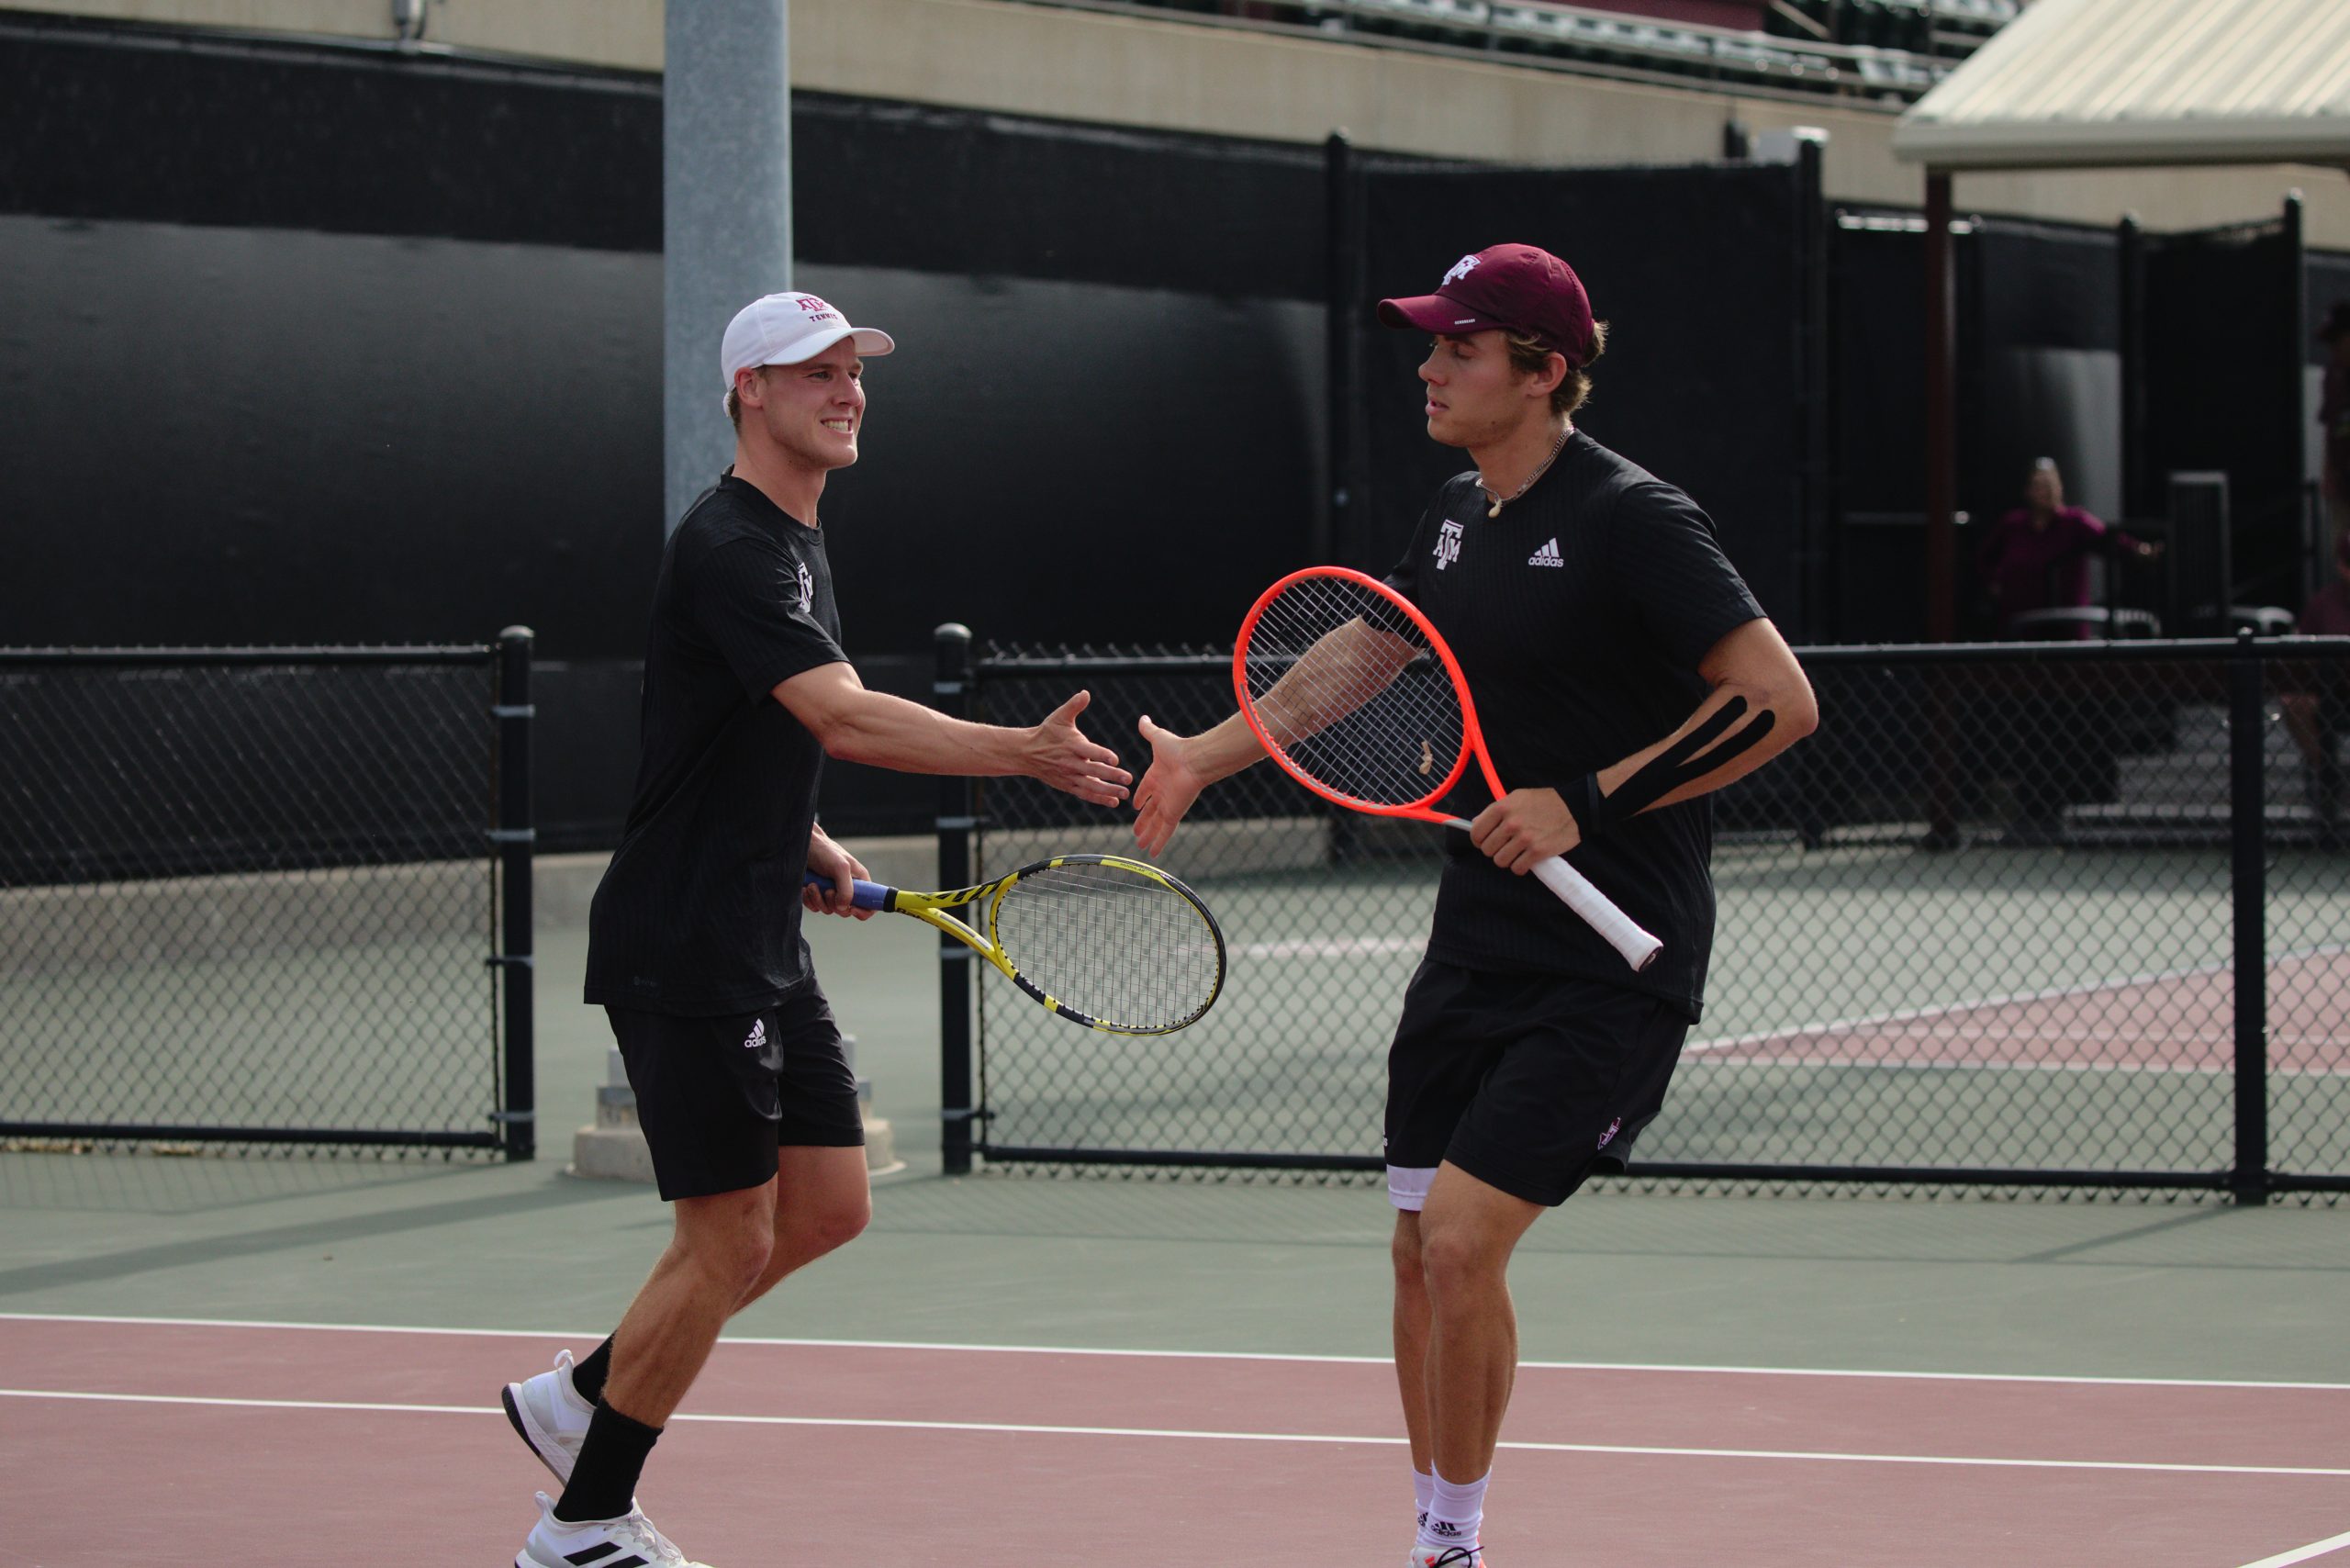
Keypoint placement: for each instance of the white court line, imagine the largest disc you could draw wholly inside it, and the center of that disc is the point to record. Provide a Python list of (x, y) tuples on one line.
[(1023, 1428), (1945, 1009), (1194, 1355), (1990, 1065), (1331, 947), (2304, 1553)]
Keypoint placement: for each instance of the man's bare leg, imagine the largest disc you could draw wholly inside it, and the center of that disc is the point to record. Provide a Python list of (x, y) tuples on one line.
[(1467, 1232), (1411, 1338), (823, 1200), (719, 1249), (817, 1201)]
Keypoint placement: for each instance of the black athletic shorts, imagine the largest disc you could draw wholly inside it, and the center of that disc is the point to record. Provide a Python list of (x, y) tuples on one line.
[(717, 1096), (1529, 1082)]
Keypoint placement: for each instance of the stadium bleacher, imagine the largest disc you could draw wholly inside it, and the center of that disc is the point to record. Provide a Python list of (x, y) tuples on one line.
[(1890, 51)]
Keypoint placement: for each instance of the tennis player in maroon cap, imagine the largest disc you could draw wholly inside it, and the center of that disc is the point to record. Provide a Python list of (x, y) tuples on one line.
[(1620, 666)]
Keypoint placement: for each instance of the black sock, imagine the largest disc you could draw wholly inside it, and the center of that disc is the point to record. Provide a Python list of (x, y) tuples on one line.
[(603, 1483), (588, 1376)]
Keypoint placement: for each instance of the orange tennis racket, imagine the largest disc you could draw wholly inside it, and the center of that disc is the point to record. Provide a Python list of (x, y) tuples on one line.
[(1355, 694)]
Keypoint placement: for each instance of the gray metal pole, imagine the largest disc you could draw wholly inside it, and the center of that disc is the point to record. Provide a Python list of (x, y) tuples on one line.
[(726, 212)]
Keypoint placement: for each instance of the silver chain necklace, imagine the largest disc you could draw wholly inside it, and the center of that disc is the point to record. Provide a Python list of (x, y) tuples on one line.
[(1543, 467)]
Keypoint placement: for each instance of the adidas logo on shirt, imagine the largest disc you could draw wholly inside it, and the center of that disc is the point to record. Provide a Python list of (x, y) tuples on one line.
[(1546, 556), (758, 1035)]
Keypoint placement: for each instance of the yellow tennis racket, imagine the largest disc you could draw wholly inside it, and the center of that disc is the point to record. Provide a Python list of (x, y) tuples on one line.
[(1109, 943)]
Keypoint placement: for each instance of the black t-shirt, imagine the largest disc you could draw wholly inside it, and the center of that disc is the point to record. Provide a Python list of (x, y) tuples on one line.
[(1578, 616), (698, 912)]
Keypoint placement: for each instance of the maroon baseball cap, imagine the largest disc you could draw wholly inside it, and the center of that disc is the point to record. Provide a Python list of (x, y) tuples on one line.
[(1519, 288)]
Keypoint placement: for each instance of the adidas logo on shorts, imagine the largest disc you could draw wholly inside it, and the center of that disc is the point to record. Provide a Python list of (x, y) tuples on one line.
[(758, 1035), (1546, 556)]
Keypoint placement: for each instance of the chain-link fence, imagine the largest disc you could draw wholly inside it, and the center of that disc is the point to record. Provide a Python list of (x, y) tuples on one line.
[(2053, 915), (247, 896)]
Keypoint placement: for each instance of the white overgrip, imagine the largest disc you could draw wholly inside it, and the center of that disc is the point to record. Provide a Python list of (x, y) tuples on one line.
[(1640, 949)]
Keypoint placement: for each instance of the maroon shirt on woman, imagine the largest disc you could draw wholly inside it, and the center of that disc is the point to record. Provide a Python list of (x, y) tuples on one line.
[(2046, 568)]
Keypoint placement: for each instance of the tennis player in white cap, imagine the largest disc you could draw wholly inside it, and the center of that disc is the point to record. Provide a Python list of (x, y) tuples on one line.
[(744, 1091)]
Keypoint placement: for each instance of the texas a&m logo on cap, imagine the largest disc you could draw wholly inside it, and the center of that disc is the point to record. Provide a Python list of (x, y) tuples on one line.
[(1516, 287)]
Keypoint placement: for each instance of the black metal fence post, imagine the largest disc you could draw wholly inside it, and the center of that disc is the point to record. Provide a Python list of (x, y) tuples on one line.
[(2247, 818), (516, 837), (1816, 382), (2138, 498), (950, 694), (1343, 265)]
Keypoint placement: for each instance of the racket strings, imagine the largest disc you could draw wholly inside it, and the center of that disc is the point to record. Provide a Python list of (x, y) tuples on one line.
[(1119, 947), (1349, 690)]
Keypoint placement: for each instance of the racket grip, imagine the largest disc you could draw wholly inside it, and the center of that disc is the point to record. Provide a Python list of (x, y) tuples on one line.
[(1640, 949), (869, 895)]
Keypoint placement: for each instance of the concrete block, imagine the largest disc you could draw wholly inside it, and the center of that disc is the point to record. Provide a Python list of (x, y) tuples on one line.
[(613, 1150)]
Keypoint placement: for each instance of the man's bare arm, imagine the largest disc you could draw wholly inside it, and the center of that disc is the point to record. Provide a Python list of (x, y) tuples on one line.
[(1331, 679), (1342, 670), (856, 724), (1760, 705)]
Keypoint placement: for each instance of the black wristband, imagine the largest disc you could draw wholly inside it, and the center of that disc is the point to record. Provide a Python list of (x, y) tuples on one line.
[(1587, 805)]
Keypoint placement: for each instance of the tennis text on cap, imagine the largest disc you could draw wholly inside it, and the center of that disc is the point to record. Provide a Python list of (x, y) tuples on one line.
[(816, 308), (1675, 766)]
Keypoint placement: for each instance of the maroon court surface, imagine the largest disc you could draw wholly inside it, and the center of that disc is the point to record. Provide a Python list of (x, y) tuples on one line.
[(133, 1442)]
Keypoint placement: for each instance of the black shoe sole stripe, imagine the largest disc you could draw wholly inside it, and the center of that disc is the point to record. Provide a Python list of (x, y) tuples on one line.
[(514, 1419), (604, 1549)]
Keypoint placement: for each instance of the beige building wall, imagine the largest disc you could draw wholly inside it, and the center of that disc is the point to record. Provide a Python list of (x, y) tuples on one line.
[(1067, 65)]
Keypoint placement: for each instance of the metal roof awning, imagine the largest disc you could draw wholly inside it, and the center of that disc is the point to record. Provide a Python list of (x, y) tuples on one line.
[(2099, 84)]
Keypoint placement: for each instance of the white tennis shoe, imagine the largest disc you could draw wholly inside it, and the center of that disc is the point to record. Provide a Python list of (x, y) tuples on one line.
[(1446, 1557), (548, 1414), (625, 1542)]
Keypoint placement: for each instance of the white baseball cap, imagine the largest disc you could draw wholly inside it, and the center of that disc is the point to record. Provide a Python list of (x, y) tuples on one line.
[(785, 329)]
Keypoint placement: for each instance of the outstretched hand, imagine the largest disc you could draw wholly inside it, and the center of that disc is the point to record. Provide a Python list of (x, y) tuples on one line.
[(1169, 786), (1058, 754)]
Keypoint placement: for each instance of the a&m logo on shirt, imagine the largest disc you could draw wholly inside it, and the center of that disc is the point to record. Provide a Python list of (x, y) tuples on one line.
[(807, 589), (1447, 544)]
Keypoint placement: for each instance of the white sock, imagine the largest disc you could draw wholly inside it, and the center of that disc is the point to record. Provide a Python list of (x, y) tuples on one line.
[(1423, 1492), (1456, 1509)]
